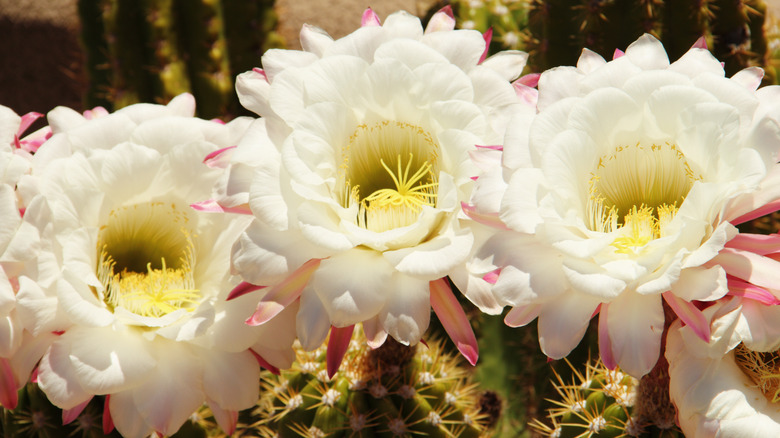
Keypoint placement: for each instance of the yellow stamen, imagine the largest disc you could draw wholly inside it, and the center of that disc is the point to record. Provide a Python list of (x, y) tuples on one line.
[(395, 197), (637, 190), (133, 267)]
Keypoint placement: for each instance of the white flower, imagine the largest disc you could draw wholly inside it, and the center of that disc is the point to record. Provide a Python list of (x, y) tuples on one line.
[(356, 173), (19, 247), (729, 386), (625, 191), (134, 281)]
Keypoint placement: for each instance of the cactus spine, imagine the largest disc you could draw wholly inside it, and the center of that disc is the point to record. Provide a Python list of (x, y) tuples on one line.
[(392, 391), (604, 403)]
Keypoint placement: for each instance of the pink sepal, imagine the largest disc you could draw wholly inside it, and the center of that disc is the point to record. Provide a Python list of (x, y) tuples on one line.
[(370, 18), (527, 94), (226, 419), (108, 422), (490, 219), (27, 120), (761, 211), (264, 363), (454, 320), (492, 276), (761, 244), (487, 36), (494, 147), (744, 289), (749, 266), (529, 80), (261, 72), (689, 314), (34, 374), (68, 415), (615, 55), (442, 20), (283, 294), (473, 178), (8, 389), (95, 113), (242, 289), (212, 206), (605, 343), (219, 159), (700, 43), (424, 342), (338, 344), (520, 316)]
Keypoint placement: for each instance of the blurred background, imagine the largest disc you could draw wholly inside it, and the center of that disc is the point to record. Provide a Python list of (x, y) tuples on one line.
[(83, 53)]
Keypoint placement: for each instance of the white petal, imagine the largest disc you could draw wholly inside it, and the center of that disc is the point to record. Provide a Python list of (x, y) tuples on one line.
[(106, 360), (635, 324), (173, 391), (312, 322), (228, 379), (352, 285), (563, 321), (702, 284), (408, 310), (432, 259)]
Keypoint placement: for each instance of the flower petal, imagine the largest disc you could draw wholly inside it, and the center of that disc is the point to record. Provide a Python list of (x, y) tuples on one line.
[(454, 320)]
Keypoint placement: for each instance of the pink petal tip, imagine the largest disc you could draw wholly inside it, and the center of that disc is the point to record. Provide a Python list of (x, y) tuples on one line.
[(338, 343), (242, 289), (454, 320), (264, 363)]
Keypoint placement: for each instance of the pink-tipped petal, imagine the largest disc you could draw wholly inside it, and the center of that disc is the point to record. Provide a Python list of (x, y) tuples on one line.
[(108, 422), (520, 316), (338, 343), (283, 294), (212, 206), (242, 289), (487, 36), (617, 54), (700, 43), (68, 415), (264, 363), (8, 389), (492, 276), (744, 289), (764, 210), (527, 94), (494, 147), (753, 268), (761, 244), (226, 419), (454, 320), (529, 80), (370, 18), (490, 219), (605, 343), (27, 120), (689, 314), (443, 20), (220, 158)]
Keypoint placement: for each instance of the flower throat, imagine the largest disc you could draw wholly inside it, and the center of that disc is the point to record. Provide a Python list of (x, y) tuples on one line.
[(638, 189), (389, 171), (146, 257)]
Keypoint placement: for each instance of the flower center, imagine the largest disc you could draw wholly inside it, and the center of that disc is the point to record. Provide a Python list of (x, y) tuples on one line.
[(763, 368), (145, 260), (638, 189), (389, 170)]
